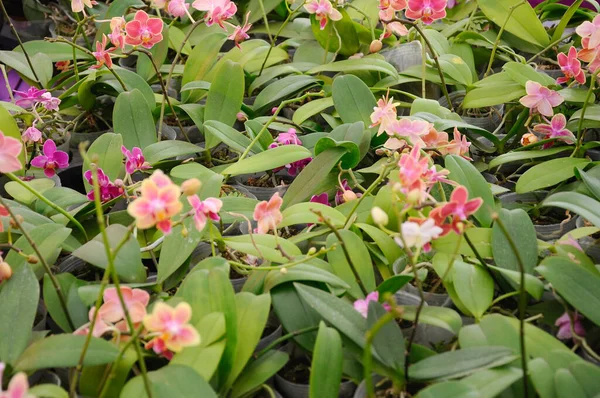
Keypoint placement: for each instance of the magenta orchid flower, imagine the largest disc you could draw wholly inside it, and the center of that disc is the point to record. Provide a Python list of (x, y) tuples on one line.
[(427, 11), (541, 99), (362, 306), (322, 198), (268, 214), (10, 149), (171, 327), (460, 205), (204, 210), (108, 189), (217, 11), (556, 128), (134, 160), (136, 301), (102, 55), (323, 10), (143, 30), (289, 138), (296, 167), (571, 67), (51, 160), (50, 103), (29, 98), (564, 326), (18, 387), (32, 135), (240, 33)]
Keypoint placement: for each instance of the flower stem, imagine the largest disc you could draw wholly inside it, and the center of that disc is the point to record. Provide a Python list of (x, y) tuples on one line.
[(497, 42), (583, 110)]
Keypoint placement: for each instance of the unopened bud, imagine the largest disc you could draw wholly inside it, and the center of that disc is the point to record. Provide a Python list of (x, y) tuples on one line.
[(184, 231), (5, 271), (19, 220), (413, 197), (349, 196), (375, 46), (119, 183), (379, 216), (241, 116), (528, 139), (31, 259), (283, 271), (191, 186), (273, 110), (312, 251)]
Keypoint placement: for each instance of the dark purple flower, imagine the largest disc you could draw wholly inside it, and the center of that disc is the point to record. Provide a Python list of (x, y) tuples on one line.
[(339, 195), (108, 190), (535, 3), (296, 167), (51, 160), (322, 198), (14, 82)]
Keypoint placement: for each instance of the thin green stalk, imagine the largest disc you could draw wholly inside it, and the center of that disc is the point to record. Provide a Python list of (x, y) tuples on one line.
[(41, 197), (479, 258), (266, 21), (583, 110), (522, 300), (497, 42), (555, 42), (55, 283)]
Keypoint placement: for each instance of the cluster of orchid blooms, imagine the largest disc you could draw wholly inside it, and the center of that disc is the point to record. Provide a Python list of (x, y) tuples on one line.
[(166, 329)]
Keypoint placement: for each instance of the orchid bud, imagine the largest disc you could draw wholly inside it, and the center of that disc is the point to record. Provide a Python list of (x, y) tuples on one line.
[(119, 183), (312, 251), (528, 139), (184, 231), (379, 216), (274, 110), (413, 197), (5, 271), (349, 196), (31, 259), (241, 116), (283, 271), (191, 186), (375, 46)]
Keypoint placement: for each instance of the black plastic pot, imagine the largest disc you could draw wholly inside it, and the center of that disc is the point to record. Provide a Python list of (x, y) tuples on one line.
[(294, 390), (432, 299), (261, 193), (487, 122), (405, 298)]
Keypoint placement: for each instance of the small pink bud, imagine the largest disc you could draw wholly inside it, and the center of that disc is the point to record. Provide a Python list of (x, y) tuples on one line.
[(241, 116), (273, 110), (5, 271), (375, 46)]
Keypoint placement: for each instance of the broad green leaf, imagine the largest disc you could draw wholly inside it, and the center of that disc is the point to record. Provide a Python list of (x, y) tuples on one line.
[(582, 205), (442, 317), (302, 213), (302, 272), (456, 68), (353, 100), (311, 109), (43, 354), (132, 81), (564, 21), (176, 249), (11, 129), (576, 284), (493, 90), (449, 389), (548, 174), (217, 132), (389, 248), (266, 245), (349, 160), (48, 391), (370, 64), (522, 232), (56, 51), (474, 286), (163, 150), (522, 73), (176, 39), (274, 93), (523, 22), (23, 195), (268, 160), (337, 36), (389, 341), (464, 173), (225, 94), (133, 120), (269, 74), (461, 362), (327, 362), (211, 181), (255, 7), (525, 155), (159, 51), (41, 63), (492, 382), (533, 285), (76, 308), (107, 150), (591, 183), (199, 62), (258, 372)]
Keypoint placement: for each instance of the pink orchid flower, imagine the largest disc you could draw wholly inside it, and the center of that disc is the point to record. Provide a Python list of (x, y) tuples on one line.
[(10, 149), (384, 115), (241, 32), (100, 326), (396, 28), (117, 28), (268, 214), (171, 327), (388, 8), (323, 11), (49, 102), (541, 99), (134, 160), (556, 128), (571, 67), (79, 5), (108, 189), (136, 301), (411, 129), (18, 387), (157, 204), (51, 160), (590, 33), (289, 138), (29, 98), (204, 210), (143, 30), (102, 55), (564, 326), (427, 11), (217, 11), (63, 66), (412, 166), (178, 8), (592, 57), (362, 306), (459, 145), (415, 235), (460, 205), (32, 135)]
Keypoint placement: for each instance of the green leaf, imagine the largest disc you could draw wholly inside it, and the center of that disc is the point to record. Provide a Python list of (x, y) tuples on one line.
[(302, 272), (294, 313), (353, 100), (266, 245), (44, 354), (474, 286), (361, 262), (520, 228), (226, 94), (268, 160), (388, 247), (493, 90), (48, 391), (337, 36), (258, 372), (159, 51), (523, 22), (42, 64), (128, 262), (311, 108), (56, 51), (133, 120), (132, 81), (107, 149), (533, 285), (217, 132), (525, 155), (281, 89), (199, 62), (23, 195), (312, 176), (163, 150), (449, 389), (176, 249), (76, 308), (442, 317), (211, 181), (326, 369), (522, 73), (492, 382), (564, 21), (456, 68), (464, 173), (576, 284), (19, 297), (301, 213), (580, 204), (349, 160), (548, 174), (393, 284), (369, 64), (460, 363), (591, 183), (389, 341), (168, 382)]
